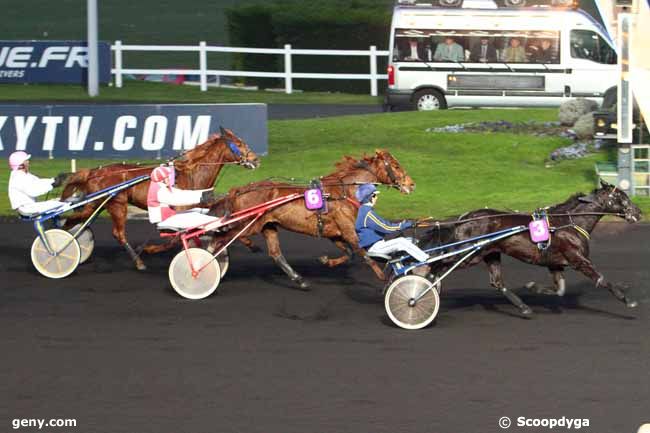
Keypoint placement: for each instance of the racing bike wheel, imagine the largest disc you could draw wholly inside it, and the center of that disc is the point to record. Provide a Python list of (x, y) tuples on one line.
[(86, 240), (404, 310), (65, 259), (206, 278), (224, 262)]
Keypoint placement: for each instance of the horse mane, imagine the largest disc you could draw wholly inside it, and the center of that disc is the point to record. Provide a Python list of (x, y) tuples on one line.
[(568, 204), (349, 163), (188, 161)]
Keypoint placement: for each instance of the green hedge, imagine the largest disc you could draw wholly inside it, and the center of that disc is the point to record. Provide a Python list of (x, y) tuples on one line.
[(333, 24)]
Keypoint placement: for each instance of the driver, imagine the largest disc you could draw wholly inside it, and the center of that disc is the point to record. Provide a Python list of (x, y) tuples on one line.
[(162, 196), (24, 187), (371, 228)]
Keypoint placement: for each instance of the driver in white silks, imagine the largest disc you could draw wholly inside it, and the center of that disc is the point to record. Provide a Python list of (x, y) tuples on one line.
[(162, 196), (371, 228), (24, 187)]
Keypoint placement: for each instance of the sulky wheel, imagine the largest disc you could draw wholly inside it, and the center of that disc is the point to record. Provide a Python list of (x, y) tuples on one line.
[(206, 278), (404, 310), (65, 259), (224, 262), (86, 240)]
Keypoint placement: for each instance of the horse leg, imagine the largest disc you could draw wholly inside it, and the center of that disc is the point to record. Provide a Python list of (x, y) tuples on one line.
[(559, 283), (343, 246), (273, 245), (118, 211), (248, 243), (582, 264), (349, 235), (493, 262), (159, 248), (76, 217)]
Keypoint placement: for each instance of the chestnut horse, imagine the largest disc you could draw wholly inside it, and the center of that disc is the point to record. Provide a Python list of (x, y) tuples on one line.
[(197, 168), (337, 224), (571, 223)]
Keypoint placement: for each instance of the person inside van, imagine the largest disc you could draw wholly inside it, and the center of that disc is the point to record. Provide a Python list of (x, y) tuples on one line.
[(414, 50), (515, 53), (450, 51), (543, 53), (483, 52)]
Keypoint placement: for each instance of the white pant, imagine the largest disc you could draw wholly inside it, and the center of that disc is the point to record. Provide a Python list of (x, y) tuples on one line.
[(39, 207), (398, 244), (187, 219)]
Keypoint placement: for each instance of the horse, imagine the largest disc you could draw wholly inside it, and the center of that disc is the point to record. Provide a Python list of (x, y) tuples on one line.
[(337, 224), (570, 222), (197, 168)]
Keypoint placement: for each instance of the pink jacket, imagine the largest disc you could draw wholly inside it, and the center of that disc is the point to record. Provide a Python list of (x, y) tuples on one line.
[(160, 198)]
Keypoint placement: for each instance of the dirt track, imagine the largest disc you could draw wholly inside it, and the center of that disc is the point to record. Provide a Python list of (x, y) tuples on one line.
[(120, 352)]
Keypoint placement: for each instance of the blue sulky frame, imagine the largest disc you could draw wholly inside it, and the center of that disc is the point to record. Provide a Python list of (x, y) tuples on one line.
[(106, 194), (468, 247)]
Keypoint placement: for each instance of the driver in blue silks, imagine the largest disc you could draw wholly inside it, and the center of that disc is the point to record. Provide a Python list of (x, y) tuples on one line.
[(371, 228)]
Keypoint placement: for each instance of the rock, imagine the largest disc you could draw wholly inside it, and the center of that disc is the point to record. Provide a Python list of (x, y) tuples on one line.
[(584, 127), (571, 110), (577, 150)]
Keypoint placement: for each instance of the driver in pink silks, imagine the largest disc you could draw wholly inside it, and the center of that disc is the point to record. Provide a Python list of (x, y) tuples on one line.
[(162, 196), (24, 187)]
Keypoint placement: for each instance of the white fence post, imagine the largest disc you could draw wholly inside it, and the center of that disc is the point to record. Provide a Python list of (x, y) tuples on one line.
[(288, 84), (118, 63), (373, 70), (203, 66)]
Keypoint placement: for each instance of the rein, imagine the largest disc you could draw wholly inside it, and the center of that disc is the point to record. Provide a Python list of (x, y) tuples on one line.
[(465, 220)]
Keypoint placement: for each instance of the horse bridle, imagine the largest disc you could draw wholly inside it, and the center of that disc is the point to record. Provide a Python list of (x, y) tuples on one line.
[(242, 158), (389, 171)]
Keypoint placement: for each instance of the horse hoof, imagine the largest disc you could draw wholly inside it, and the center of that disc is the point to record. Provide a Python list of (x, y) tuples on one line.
[(631, 304), (323, 260), (303, 285), (141, 266), (527, 312), (530, 285)]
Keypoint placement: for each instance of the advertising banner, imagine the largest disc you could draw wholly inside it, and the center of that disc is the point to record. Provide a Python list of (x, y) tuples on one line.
[(50, 62), (125, 131)]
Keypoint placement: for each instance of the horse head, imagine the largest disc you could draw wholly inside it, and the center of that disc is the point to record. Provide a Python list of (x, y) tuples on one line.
[(390, 172), (611, 199), (238, 150)]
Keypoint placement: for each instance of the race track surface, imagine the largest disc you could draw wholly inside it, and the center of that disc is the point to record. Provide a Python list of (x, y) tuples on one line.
[(119, 351)]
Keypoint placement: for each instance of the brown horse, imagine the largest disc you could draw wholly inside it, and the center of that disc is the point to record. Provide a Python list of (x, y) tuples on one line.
[(195, 169), (571, 223), (337, 224)]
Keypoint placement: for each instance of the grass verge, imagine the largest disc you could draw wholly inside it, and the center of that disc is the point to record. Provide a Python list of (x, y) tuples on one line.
[(148, 92)]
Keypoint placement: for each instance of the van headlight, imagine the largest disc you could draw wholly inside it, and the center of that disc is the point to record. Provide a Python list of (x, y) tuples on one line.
[(600, 123)]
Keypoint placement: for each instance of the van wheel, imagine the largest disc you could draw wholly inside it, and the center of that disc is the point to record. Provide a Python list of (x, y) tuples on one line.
[(514, 3), (562, 2), (429, 100), (450, 3)]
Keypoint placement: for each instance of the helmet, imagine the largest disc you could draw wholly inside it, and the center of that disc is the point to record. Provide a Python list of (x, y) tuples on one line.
[(365, 191), (17, 159), (159, 174)]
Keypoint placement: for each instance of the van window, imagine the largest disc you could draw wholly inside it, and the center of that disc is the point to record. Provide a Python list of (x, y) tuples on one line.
[(589, 45), (476, 46)]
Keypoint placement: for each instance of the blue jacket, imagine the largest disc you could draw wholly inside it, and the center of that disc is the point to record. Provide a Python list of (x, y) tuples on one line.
[(372, 228)]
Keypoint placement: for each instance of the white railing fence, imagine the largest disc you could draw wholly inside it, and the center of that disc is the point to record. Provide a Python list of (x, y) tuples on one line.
[(288, 75)]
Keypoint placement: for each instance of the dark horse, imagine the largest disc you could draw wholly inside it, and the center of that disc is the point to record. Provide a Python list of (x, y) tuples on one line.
[(573, 221), (195, 169), (336, 224)]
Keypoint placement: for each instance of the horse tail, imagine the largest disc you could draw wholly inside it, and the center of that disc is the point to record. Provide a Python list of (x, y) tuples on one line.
[(77, 181)]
